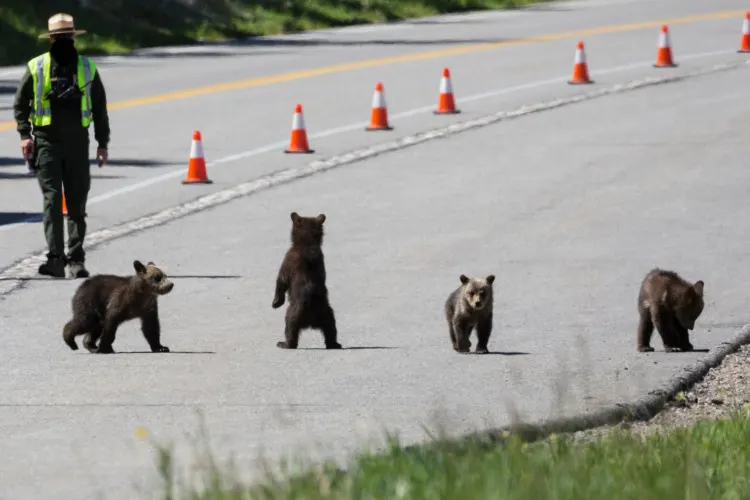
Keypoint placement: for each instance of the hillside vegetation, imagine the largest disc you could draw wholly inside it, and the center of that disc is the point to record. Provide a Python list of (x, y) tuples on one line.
[(116, 26)]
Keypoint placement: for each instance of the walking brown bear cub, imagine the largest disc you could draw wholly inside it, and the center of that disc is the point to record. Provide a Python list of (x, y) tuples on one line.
[(672, 305), (468, 306), (303, 276), (104, 301)]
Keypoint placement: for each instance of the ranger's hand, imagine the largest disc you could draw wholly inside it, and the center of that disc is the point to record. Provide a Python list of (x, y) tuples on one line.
[(27, 148), (102, 156)]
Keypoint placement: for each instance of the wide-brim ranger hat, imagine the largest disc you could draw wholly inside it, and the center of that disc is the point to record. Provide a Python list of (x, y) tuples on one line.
[(61, 24)]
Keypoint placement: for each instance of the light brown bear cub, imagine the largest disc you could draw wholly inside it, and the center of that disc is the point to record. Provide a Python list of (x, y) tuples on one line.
[(104, 301), (672, 305), (468, 306)]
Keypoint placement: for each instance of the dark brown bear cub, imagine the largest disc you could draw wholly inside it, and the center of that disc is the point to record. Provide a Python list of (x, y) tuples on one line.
[(468, 306), (303, 276), (671, 304), (105, 301)]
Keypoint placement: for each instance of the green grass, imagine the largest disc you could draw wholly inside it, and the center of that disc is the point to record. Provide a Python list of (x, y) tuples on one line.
[(709, 460), (117, 26)]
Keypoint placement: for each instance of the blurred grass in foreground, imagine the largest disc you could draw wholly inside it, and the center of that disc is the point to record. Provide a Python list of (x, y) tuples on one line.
[(708, 460)]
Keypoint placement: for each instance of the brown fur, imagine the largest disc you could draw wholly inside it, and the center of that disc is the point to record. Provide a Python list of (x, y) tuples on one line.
[(105, 301), (303, 275), (468, 306), (672, 305)]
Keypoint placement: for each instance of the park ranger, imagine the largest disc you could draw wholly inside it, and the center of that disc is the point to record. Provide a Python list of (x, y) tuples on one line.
[(61, 93)]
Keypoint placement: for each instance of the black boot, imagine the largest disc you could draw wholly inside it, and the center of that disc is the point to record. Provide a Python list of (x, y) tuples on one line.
[(55, 267), (76, 269)]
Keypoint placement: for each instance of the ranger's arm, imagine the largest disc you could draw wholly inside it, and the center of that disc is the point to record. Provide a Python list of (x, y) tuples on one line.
[(99, 110), (22, 105)]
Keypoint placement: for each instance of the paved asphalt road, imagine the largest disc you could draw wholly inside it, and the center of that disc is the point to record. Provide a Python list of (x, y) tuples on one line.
[(568, 207)]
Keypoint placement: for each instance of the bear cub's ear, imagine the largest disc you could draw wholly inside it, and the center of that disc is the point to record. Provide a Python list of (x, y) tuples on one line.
[(139, 267), (463, 279), (698, 287), (321, 219), (294, 216), (490, 279)]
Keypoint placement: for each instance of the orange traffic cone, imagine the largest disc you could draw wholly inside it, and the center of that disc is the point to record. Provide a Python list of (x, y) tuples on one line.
[(446, 102), (64, 205), (298, 139), (379, 114), (196, 173), (745, 45), (580, 67), (664, 55)]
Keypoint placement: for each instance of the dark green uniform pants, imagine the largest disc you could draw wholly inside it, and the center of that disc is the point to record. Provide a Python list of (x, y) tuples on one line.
[(64, 166)]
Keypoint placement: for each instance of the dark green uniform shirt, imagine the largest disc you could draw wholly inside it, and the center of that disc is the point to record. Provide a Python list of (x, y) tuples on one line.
[(66, 115)]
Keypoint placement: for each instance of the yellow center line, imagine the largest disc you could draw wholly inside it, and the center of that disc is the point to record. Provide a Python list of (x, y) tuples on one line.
[(369, 63)]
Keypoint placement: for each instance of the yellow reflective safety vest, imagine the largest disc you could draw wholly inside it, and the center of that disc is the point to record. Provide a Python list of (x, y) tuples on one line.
[(40, 68)]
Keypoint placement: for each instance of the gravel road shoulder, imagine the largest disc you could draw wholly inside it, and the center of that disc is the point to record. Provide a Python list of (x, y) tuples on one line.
[(723, 391)]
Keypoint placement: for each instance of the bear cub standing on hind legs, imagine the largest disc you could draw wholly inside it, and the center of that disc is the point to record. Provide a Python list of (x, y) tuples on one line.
[(671, 304), (104, 301), (303, 275), (468, 306)]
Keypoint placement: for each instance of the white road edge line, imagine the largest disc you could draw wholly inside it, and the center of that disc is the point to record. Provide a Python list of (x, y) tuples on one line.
[(356, 126), (14, 276)]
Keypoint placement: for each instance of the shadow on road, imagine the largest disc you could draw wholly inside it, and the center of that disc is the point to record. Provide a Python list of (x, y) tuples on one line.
[(354, 348), (191, 52), (46, 278), (8, 87), (24, 175), (15, 175), (303, 42), (16, 161), (132, 162), (149, 352), (507, 353), (7, 218), (205, 276), (11, 161)]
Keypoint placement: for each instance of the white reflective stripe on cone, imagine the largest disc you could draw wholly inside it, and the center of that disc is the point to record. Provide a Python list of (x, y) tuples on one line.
[(378, 99), (445, 86), (298, 122), (196, 149)]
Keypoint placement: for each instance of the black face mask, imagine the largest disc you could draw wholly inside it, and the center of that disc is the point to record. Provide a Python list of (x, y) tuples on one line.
[(63, 51)]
